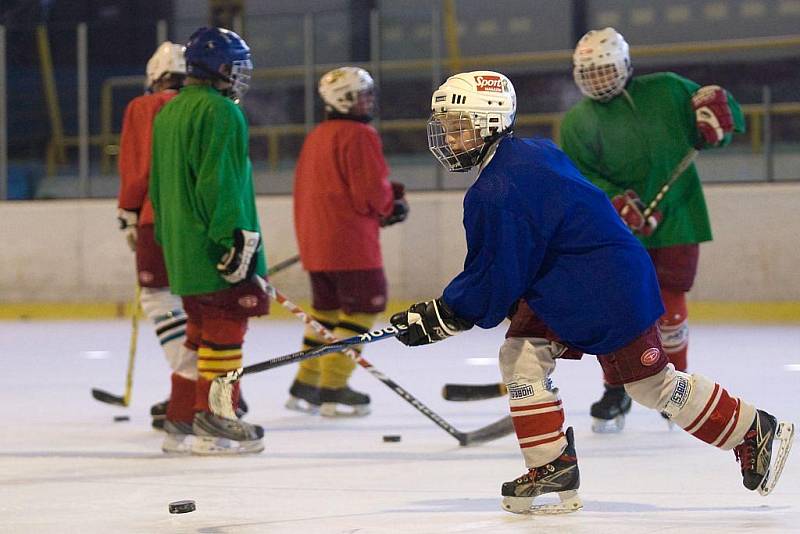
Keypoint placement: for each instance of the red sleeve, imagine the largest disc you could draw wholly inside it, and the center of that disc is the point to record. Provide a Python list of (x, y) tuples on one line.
[(366, 168), (134, 153)]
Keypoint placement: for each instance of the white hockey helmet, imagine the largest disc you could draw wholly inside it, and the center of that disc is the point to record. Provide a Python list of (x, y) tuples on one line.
[(168, 59), (339, 88), (601, 64), (469, 111)]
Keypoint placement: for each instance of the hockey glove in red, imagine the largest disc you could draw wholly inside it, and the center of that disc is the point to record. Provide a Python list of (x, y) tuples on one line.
[(631, 210), (128, 220), (712, 114), (428, 322), (239, 263)]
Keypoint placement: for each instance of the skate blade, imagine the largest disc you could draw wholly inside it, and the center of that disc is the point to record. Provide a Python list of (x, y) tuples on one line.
[(332, 409), (570, 502), (212, 446), (301, 405), (608, 426), (785, 435), (177, 444)]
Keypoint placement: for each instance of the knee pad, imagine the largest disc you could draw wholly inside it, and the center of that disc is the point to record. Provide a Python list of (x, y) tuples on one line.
[(166, 312)]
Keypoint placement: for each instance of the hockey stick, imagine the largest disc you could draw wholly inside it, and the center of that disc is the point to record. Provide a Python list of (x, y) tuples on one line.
[(676, 173), (124, 400), (472, 392), (490, 432)]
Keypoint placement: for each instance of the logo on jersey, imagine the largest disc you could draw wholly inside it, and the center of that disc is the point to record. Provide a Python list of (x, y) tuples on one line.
[(650, 356), (520, 391), (248, 301), (494, 84), (146, 277)]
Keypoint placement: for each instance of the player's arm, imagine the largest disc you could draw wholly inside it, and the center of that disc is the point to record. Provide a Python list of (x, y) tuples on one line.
[(222, 171), (366, 170), (715, 114), (134, 166)]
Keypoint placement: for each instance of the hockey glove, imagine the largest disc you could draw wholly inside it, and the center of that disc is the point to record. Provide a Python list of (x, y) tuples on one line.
[(712, 114), (400, 209), (128, 220), (239, 263), (428, 322), (631, 209)]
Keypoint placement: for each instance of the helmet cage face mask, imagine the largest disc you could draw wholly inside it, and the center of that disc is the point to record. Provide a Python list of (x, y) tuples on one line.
[(455, 140), (241, 73), (601, 82)]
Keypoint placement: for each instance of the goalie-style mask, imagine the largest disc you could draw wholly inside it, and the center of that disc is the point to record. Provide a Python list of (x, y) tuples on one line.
[(470, 111), (167, 59), (601, 64), (220, 54)]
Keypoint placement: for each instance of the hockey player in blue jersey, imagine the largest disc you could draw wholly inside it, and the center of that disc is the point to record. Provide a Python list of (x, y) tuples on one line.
[(546, 248)]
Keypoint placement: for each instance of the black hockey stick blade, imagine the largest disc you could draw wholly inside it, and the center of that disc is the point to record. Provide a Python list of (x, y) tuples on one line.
[(498, 429), (472, 392), (108, 398)]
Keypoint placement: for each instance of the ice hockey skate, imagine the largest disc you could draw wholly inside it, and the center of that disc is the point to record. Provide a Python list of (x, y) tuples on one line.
[(561, 476), (608, 414), (158, 413), (761, 468), (303, 398), (343, 402), (178, 437), (218, 436)]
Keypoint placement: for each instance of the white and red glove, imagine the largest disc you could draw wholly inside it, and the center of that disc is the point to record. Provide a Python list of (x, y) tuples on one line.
[(712, 114), (631, 210)]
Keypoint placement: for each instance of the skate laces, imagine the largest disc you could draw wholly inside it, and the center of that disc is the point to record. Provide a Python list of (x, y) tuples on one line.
[(746, 452)]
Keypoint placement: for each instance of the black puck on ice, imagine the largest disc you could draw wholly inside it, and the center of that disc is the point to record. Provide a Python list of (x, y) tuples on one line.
[(181, 507), (120, 418), (391, 438)]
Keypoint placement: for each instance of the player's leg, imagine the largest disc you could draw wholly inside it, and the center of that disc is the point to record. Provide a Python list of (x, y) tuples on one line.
[(180, 408), (304, 391), (703, 408), (161, 307), (526, 364), (362, 295), (224, 323)]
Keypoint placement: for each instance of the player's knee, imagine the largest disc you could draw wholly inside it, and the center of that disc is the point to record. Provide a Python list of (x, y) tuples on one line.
[(159, 302), (665, 391), (526, 359)]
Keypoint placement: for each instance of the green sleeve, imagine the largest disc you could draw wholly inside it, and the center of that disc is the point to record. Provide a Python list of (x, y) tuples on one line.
[(578, 147), (736, 110), (221, 170)]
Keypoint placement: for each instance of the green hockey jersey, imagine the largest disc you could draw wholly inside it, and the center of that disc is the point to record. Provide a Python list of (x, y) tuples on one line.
[(201, 187), (636, 140)]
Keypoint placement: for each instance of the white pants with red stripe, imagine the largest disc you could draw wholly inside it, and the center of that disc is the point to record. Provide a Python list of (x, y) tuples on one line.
[(696, 404), (526, 365)]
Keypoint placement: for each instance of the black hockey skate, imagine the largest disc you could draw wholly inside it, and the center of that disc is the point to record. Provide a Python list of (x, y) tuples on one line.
[(158, 412), (608, 414), (303, 398), (356, 404), (215, 435), (761, 469), (561, 476)]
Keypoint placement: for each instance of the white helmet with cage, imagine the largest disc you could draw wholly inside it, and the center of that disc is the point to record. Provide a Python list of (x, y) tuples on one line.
[(469, 111), (340, 88), (167, 59), (601, 64)]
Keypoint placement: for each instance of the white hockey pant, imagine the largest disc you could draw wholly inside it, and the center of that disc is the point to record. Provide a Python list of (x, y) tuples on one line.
[(165, 310), (697, 405), (526, 365)]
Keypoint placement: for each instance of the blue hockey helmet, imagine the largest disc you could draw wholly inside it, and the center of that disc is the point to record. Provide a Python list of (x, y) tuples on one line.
[(209, 49)]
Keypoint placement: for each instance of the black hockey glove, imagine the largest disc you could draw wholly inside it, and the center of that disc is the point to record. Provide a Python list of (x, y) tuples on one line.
[(239, 263), (428, 322), (128, 221), (400, 208)]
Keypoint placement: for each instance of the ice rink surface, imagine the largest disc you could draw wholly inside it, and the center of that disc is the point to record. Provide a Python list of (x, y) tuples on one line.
[(66, 466)]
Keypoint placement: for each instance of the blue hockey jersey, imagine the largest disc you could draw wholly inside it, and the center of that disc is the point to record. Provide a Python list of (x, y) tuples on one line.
[(537, 229)]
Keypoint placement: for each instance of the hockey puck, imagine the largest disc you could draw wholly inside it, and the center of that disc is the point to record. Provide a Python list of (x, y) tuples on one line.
[(120, 418), (391, 438), (181, 507)]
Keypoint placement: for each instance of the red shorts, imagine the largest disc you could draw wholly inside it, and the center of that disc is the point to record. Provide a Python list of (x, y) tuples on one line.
[(150, 267), (641, 358), (243, 300), (351, 291), (676, 266)]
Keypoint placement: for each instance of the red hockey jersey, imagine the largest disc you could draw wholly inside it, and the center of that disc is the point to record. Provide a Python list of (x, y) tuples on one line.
[(341, 191)]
